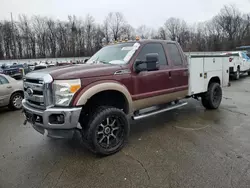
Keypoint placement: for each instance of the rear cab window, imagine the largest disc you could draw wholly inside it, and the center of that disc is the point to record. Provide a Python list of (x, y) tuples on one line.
[(174, 54)]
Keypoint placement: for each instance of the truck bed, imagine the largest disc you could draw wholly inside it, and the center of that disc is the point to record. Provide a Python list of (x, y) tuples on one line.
[(204, 67)]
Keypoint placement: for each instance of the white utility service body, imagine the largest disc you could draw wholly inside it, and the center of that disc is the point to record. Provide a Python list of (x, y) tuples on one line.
[(202, 68), (239, 62)]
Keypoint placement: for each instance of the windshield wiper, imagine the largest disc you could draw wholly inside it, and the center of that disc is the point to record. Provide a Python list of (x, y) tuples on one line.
[(99, 61), (104, 62)]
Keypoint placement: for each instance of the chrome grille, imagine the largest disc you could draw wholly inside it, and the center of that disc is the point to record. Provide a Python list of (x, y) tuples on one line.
[(38, 90)]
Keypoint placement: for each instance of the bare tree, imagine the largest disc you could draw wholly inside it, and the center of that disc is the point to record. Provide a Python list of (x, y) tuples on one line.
[(143, 32), (90, 29), (128, 32), (1, 42), (173, 27), (116, 22), (162, 33), (229, 20), (106, 30), (41, 33), (46, 37)]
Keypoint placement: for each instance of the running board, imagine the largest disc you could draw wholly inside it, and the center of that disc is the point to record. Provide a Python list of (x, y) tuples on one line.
[(142, 116)]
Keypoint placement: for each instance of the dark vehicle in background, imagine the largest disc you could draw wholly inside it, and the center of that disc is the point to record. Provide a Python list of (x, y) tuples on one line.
[(15, 70), (43, 66)]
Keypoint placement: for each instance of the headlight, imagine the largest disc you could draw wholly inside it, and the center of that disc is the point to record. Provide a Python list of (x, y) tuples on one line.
[(64, 91)]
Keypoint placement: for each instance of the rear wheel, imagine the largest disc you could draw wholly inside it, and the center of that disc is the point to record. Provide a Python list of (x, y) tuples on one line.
[(107, 131), (212, 98), (16, 101), (237, 74)]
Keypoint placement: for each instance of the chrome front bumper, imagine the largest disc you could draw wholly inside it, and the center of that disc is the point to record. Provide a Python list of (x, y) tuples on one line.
[(71, 117)]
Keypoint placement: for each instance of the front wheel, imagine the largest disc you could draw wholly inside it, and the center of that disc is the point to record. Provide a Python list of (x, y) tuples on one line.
[(212, 98), (107, 131)]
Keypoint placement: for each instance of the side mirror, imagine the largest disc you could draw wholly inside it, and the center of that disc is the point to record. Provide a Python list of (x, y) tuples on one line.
[(151, 63), (85, 60)]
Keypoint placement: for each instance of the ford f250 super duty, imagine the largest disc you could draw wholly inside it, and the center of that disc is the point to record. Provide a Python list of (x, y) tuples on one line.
[(98, 98)]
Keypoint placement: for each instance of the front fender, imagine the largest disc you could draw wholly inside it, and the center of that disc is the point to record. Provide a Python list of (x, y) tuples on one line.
[(98, 87)]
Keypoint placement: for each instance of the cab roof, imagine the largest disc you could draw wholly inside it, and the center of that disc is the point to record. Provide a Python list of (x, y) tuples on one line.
[(143, 41)]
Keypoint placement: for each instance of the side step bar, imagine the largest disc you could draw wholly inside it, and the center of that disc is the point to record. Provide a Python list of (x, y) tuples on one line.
[(142, 116)]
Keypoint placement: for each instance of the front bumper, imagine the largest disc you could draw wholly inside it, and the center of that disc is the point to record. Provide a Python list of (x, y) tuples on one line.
[(40, 120)]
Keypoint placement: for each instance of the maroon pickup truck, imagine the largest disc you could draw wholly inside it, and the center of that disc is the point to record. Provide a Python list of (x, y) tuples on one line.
[(99, 97)]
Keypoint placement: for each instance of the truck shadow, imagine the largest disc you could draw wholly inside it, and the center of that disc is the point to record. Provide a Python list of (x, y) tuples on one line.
[(180, 117), (243, 76), (184, 117), (4, 110)]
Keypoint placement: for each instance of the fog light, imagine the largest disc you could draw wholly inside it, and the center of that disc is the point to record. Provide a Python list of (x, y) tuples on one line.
[(38, 119), (60, 119), (56, 119)]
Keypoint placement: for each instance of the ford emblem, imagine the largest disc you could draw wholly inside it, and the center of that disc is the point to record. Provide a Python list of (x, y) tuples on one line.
[(29, 91)]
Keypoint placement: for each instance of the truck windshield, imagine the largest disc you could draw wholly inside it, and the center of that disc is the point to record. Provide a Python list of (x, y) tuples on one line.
[(114, 54)]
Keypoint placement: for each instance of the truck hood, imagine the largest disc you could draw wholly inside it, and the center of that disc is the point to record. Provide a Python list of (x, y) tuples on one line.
[(80, 71)]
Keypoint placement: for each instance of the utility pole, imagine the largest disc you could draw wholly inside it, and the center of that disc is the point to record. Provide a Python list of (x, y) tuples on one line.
[(13, 37)]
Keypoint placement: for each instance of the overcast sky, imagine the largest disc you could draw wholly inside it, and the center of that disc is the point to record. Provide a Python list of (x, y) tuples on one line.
[(137, 12)]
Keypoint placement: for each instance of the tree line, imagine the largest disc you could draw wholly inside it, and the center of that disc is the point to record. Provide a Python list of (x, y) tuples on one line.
[(40, 37)]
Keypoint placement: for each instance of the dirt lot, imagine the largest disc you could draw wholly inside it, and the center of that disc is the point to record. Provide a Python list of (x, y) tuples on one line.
[(189, 147)]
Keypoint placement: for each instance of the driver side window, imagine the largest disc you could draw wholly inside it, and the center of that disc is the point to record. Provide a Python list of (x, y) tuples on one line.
[(153, 48)]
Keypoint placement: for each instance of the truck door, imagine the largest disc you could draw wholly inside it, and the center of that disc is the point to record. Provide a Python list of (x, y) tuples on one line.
[(152, 86), (179, 68)]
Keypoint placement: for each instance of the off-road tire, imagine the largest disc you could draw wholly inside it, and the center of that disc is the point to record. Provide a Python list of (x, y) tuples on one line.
[(13, 99), (90, 136), (212, 98)]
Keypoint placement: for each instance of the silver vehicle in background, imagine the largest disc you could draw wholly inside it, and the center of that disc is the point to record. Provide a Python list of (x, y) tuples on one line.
[(11, 92)]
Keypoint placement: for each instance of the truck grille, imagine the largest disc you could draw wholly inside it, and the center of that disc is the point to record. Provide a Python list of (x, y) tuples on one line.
[(37, 92)]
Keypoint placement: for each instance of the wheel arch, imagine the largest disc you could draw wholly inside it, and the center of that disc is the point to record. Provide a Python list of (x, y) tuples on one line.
[(17, 91), (215, 79), (101, 87)]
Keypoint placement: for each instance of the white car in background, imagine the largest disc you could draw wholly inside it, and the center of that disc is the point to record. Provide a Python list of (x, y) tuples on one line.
[(239, 62), (11, 92)]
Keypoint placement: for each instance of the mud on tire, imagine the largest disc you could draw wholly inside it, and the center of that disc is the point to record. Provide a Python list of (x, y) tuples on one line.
[(107, 131), (212, 98)]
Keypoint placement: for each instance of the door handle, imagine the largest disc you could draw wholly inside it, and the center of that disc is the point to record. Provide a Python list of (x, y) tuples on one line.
[(9, 87)]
